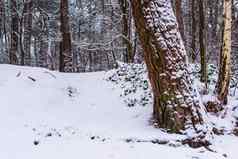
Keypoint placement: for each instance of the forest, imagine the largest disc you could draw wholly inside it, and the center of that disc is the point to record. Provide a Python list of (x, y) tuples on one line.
[(119, 79)]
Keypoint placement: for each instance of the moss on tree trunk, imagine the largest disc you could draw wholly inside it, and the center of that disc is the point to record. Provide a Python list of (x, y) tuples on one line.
[(175, 105)]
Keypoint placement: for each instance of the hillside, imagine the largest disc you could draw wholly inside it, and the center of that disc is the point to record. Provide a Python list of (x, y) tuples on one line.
[(51, 115)]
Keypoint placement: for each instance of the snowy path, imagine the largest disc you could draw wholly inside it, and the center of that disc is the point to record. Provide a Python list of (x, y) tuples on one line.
[(71, 116)]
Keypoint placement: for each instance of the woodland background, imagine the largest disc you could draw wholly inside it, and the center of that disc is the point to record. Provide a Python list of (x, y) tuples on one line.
[(101, 32)]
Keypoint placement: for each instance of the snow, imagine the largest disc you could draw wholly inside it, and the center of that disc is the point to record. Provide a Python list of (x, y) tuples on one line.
[(236, 113), (52, 115)]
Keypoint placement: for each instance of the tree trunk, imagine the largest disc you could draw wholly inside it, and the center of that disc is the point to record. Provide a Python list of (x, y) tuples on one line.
[(202, 42), (194, 30), (175, 104), (27, 22), (66, 61), (225, 67), (126, 30), (2, 10), (14, 32), (179, 16), (2, 21), (43, 51), (43, 39)]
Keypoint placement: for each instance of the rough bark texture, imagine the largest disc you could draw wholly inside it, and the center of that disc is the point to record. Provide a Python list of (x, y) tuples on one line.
[(176, 107), (14, 33), (66, 61), (225, 67)]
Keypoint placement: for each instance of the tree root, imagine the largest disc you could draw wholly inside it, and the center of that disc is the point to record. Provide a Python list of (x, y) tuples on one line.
[(197, 142), (213, 106)]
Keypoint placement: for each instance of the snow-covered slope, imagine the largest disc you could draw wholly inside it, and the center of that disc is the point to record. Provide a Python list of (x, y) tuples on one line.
[(51, 115)]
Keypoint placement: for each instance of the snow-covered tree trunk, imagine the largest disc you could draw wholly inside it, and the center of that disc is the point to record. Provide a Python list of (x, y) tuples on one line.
[(176, 106), (225, 55)]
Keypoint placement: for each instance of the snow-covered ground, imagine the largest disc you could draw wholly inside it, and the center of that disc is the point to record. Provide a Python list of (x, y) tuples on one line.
[(51, 115)]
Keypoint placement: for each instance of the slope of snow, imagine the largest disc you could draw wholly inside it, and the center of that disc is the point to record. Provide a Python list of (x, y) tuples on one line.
[(51, 115)]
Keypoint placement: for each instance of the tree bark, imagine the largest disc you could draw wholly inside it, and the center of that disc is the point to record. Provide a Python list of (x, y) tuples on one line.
[(2, 10), (126, 30), (225, 55), (43, 51), (43, 38), (2, 23), (202, 42), (194, 30), (175, 104), (66, 61), (179, 16), (27, 22), (14, 32)]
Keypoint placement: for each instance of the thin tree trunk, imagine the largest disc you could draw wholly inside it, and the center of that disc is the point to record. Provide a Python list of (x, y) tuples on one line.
[(14, 32), (202, 42), (2, 10), (194, 30), (2, 15), (179, 16), (126, 30), (43, 39), (66, 61), (27, 22), (43, 51), (225, 55)]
